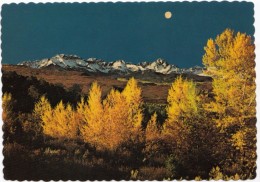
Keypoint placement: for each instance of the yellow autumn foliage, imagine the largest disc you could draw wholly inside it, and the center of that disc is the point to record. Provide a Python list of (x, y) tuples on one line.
[(92, 128), (216, 174), (6, 105), (230, 61), (133, 96), (59, 122), (182, 100), (117, 119), (182, 110), (43, 111), (81, 112), (152, 131), (153, 137), (118, 126)]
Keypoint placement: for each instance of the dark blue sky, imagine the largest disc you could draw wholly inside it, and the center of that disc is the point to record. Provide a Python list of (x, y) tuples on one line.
[(133, 32)]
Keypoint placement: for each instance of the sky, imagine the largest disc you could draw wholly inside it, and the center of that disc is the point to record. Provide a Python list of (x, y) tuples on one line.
[(133, 32)]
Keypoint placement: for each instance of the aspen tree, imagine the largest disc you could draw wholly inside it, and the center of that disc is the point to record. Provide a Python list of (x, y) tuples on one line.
[(6, 105), (92, 124), (153, 137), (152, 131), (116, 114), (133, 95), (59, 122), (230, 60), (109, 123), (182, 101), (7, 116), (81, 113), (71, 123), (43, 111)]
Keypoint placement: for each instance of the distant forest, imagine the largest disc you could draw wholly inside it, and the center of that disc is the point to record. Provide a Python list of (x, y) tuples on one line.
[(54, 133)]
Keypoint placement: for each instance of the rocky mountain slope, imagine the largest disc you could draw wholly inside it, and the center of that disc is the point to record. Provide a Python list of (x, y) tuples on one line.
[(120, 66)]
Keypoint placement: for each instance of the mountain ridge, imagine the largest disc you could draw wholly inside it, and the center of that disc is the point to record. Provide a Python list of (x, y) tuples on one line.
[(98, 65)]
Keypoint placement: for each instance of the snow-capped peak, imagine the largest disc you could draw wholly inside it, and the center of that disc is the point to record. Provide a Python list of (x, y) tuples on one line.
[(98, 65), (161, 66), (119, 65)]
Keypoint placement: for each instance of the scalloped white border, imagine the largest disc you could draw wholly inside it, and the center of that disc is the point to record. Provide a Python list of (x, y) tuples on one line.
[(257, 51), (71, 1)]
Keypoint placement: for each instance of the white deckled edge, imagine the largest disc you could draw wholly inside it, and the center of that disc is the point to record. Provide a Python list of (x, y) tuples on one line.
[(257, 52), (257, 68), (81, 1)]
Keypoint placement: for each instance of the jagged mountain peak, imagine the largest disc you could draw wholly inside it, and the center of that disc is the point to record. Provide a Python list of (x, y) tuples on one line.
[(66, 57), (160, 65), (161, 61)]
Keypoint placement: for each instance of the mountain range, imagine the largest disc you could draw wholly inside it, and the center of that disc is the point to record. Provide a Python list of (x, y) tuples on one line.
[(119, 66)]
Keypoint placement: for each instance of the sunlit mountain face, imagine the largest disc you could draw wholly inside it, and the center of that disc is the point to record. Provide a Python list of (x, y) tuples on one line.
[(98, 65)]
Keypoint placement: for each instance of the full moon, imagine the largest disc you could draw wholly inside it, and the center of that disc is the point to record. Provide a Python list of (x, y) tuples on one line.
[(168, 14)]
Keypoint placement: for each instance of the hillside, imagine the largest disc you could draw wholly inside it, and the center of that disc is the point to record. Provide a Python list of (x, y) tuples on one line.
[(156, 85)]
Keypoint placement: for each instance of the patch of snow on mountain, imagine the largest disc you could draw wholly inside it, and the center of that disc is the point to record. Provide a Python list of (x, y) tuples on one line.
[(159, 66), (45, 63), (134, 67), (94, 67), (119, 65), (98, 65)]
